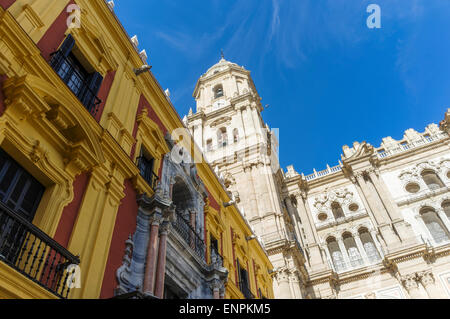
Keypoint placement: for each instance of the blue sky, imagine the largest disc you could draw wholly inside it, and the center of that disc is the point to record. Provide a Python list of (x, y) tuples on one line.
[(327, 78)]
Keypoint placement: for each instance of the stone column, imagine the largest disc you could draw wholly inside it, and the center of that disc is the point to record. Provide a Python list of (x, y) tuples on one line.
[(161, 265), (251, 192), (295, 285), (315, 261), (428, 236), (344, 253), (222, 293), (241, 116), (284, 289), (215, 286), (410, 284), (379, 212), (256, 122), (361, 249), (365, 201), (427, 280), (384, 196), (377, 243), (312, 241), (444, 218), (295, 220), (149, 276), (404, 231), (329, 258)]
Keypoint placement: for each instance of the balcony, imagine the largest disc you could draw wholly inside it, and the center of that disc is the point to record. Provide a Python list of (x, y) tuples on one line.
[(146, 168), (35, 255), (76, 78), (190, 236), (216, 258)]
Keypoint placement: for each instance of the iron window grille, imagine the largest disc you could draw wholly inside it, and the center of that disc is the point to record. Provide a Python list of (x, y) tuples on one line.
[(145, 166), (84, 85)]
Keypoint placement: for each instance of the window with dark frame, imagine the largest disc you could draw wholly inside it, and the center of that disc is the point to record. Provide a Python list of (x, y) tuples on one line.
[(244, 284), (21, 193), (146, 165), (83, 84)]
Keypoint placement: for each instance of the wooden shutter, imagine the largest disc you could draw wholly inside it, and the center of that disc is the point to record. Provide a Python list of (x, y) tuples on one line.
[(18, 189), (91, 91), (63, 52), (67, 45)]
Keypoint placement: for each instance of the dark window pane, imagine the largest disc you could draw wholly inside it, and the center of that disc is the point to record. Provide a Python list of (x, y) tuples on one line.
[(18, 189)]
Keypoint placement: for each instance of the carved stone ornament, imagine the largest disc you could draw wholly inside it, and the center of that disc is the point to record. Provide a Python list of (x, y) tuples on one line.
[(410, 282), (342, 196), (426, 278), (413, 174)]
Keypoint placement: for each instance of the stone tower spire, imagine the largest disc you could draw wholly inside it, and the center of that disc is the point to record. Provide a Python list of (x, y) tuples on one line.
[(228, 126)]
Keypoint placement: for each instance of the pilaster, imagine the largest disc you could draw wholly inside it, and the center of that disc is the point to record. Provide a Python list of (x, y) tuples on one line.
[(93, 229), (426, 278)]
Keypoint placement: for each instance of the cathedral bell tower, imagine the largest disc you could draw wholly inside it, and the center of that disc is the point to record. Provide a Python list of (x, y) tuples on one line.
[(229, 128)]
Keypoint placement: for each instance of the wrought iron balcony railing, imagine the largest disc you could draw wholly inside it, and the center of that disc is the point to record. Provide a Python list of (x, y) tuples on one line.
[(216, 258), (34, 254), (146, 168), (246, 290), (190, 236), (76, 81)]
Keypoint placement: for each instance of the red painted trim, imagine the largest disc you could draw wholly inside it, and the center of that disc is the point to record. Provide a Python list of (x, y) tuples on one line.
[(3, 78), (256, 279), (55, 35), (103, 93), (125, 225), (212, 201), (5, 4), (234, 259), (70, 212)]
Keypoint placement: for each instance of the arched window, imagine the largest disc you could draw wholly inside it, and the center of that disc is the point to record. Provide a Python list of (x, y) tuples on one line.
[(337, 210), (434, 224), (235, 135), (336, 254), (432, 180), (209, 146), (446, 208), (369, 245), (222, 137), (352, 250), (218, 91)]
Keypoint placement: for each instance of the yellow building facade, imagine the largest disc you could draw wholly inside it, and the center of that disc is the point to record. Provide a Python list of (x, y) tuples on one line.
[(79, 119)]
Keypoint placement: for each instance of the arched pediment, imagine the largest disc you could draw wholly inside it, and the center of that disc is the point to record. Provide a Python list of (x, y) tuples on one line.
[(63, 111), (94, 45), (151, 135)]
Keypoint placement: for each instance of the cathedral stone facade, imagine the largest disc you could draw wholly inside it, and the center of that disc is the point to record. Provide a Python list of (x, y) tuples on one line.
[(375, 226)]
